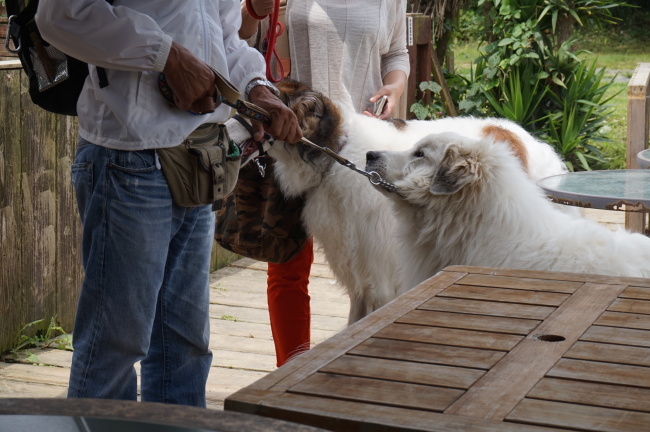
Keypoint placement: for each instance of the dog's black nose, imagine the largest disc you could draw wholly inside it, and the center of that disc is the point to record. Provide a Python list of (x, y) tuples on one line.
[(372, 156)]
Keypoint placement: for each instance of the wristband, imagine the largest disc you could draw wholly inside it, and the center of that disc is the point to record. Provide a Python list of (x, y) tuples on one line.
[(251, 11)]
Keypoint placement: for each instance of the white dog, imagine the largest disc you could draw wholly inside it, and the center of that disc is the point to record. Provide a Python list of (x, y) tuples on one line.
[(469, 201), (353, 222)]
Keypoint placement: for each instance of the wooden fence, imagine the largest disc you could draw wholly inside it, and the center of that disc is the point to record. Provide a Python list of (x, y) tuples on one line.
[(40, 267), (39, 271), (638, 132)]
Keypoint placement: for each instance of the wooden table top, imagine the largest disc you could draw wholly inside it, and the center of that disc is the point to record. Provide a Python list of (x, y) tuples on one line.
[(477, 348)]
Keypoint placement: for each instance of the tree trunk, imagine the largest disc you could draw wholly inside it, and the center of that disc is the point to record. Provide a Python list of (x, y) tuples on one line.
[(565, 25)]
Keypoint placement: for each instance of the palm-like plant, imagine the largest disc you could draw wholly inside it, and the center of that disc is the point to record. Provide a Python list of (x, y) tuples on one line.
[(561, 15), (519, 95), (581, 112)]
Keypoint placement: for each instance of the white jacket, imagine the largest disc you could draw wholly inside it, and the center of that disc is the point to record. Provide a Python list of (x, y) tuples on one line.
[(132, 39)]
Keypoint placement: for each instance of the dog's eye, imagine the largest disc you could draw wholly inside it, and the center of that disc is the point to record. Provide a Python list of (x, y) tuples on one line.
[(418, 154)]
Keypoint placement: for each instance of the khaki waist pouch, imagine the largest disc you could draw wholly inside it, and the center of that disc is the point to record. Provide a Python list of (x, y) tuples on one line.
[(203, 169)]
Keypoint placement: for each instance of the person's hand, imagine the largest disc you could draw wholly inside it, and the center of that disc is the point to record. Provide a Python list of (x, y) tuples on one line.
[(284, 123), (391, 92), (190, 80), (262, 8)]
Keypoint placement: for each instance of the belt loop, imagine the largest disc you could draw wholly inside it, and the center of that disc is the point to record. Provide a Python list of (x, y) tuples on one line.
[(157, 160)]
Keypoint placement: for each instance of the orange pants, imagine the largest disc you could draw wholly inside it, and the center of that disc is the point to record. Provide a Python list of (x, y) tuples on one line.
[(288, 301)]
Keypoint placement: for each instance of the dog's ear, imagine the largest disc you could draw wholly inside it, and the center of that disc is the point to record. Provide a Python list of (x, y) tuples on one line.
[(455, 171)]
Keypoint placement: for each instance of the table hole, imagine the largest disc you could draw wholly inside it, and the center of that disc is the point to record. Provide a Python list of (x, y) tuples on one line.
[(550, 338)]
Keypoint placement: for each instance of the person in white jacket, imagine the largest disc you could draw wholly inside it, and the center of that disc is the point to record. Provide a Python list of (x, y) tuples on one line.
[(145, 293)]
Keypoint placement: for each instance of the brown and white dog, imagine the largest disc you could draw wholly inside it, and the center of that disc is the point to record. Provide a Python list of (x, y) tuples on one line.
[(352, 221)]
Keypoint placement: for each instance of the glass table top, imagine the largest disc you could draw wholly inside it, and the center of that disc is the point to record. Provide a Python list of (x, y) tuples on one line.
[(625, 190), (643, 158)]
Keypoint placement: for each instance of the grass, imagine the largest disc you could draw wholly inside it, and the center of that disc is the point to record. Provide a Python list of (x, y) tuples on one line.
[(35, 335), (620, 59)]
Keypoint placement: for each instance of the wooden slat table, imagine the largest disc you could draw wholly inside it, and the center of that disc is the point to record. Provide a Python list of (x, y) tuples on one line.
[(477, 348)]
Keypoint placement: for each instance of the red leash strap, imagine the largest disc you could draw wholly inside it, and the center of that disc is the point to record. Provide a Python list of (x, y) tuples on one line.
[(251, 11), (275, 30), (271, 38)]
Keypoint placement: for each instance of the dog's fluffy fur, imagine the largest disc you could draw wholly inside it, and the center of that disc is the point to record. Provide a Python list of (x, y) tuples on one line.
[(468, 201), (353, 222)]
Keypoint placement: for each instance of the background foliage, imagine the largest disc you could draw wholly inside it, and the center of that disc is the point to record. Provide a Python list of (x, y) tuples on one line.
[(529, 64)]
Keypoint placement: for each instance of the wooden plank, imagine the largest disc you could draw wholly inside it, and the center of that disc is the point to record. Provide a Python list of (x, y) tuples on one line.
[(318, 270), (45, 357), (68, 230), (12, 283), (638, 129), (633, 292), (418, 45), (573, 277), (240, 328), (472, 322), (631, 306), (249, 299), (620, 336), (424, 352), (499, 391), (412, 396), (18, 389), (39, 204), (524, 283), (620, 354), (453, 337), (408, 372), (487, 308), (611, 373), (504, 295), (35, 374), (232, 359), (221, 257), (243, 344), (313, 360), (224, 381), (580, 417), (340, 415), (243, 314), (617, 319), (595, 394), (472, 269), (255, 282)]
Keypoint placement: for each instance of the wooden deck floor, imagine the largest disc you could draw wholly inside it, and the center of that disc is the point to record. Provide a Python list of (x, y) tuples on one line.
[(241, 336)]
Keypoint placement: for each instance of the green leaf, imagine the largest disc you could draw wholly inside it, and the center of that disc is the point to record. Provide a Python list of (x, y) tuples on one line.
[(583, 161), (557, 81), (431, 86)]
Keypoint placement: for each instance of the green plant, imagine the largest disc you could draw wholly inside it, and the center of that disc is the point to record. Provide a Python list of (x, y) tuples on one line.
[(520, 94), (33, 335), (561, 15), (582, 108), (432, 110), (529, 74)]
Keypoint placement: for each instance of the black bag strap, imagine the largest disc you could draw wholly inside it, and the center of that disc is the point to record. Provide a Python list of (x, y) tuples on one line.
[(250, 130), (22, 16), (13, 7)]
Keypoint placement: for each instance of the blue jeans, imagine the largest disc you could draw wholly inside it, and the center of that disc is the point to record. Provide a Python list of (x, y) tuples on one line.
[(145, 294)]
